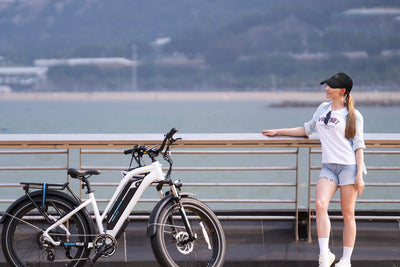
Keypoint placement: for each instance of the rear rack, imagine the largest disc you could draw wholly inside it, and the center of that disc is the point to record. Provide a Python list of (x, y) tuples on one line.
[(43, 186)]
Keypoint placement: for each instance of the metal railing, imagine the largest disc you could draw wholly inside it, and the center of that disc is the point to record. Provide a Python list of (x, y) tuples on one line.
[(218, 169), (236, 163), (19, 163)]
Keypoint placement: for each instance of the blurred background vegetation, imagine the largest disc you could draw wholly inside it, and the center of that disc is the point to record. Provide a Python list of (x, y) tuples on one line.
[(209, 44)]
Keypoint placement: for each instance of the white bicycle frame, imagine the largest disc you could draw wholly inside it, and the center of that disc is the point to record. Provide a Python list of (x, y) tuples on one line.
[(155, 174)]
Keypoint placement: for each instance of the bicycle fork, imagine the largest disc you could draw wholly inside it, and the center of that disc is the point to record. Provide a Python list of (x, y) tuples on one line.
[(189, 231)]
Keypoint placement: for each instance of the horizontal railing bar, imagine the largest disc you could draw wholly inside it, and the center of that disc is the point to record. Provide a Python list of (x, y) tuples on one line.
[(383, 168), (382, 184), (41, 151), (373, 184), (249, 200), (218, 184), (205, 168), (220, 217), (227, 184), (11, 185), (381, 152), (117, 141), (369, 168), (236, 152), (100, 200), (239, 217), (36, 168), (315, 168), (234, 168), (367, 201), (367, 152), (7, 200), (246, 218), (190, 152), (226, 200), (229, 217), (380, 218), (257, 217), (190, 184), (102, 151)]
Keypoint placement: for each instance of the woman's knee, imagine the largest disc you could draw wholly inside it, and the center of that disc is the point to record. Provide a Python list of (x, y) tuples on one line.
[(348, 216), (321, 205)]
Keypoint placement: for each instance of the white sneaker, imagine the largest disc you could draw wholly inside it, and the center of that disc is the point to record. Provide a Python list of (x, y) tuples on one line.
[(327, 260), (343, 263)]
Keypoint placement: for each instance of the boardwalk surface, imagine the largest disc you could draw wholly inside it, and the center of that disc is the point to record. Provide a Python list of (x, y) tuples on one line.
[(272, 243)]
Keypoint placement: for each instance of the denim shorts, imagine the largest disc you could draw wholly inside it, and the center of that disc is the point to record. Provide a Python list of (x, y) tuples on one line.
[(339, 173)]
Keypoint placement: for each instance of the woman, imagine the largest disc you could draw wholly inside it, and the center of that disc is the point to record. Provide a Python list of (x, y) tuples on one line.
[(340, 129)]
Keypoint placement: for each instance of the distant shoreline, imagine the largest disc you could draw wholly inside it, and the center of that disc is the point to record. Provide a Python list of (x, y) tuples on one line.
[(277, 99)]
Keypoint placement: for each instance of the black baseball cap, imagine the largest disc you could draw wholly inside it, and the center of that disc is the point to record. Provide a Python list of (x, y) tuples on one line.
[(340, 80)]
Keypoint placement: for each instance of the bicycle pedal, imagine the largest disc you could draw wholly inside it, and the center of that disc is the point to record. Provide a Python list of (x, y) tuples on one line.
[(98, 254)]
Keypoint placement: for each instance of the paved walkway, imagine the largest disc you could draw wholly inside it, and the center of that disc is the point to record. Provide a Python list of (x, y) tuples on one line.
[(272, 243)]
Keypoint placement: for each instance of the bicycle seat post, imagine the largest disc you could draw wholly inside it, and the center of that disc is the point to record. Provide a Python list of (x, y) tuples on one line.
[(86, 183)]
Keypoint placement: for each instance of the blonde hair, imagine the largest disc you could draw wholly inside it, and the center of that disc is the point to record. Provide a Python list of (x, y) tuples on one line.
[(351, 126)]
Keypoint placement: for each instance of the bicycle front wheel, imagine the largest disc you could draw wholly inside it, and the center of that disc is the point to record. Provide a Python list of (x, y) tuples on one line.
[(22, 235), (170, 244)]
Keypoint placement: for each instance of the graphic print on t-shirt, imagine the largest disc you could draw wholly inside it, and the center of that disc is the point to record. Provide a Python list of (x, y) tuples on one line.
[(332, 119)]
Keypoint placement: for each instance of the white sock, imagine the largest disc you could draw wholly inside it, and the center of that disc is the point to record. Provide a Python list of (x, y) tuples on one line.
[(347, 251), (323, 246)]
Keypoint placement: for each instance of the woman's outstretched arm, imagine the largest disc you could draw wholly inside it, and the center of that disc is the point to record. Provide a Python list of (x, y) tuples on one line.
[(296, 131)]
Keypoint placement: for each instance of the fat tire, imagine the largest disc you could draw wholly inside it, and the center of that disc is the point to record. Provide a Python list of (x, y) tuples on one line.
[(169, 252), (20, 241)]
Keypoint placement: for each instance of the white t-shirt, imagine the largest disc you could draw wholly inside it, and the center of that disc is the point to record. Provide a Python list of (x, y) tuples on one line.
[(335, 147)]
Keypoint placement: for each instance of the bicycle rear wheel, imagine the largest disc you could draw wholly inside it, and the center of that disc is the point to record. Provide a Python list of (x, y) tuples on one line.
[(22, 231), (170, 245)]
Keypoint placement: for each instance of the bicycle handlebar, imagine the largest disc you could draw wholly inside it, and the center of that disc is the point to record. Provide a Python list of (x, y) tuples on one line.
[(155, 152)]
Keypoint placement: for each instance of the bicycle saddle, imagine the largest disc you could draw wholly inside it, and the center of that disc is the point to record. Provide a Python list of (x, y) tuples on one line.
[(79, 173)]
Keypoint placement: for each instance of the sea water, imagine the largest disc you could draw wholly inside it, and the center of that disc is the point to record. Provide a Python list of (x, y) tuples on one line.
[(83, 116)]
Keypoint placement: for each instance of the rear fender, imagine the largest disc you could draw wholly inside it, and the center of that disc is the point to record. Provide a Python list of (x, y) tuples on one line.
[(38, 195)]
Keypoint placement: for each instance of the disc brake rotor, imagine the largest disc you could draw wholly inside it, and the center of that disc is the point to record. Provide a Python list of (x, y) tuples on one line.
[(182, 245)]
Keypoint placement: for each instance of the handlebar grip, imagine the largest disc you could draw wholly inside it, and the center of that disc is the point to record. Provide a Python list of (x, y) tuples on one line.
[(167, 137), (171, 133), (128, 151)]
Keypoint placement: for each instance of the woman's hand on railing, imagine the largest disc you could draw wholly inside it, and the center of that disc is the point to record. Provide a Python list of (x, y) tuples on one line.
[(271, 132)]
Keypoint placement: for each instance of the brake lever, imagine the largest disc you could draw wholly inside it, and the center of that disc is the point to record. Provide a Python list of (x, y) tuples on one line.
[(171, 141)]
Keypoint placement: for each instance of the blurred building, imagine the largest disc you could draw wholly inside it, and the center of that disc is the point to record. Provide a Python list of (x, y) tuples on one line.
[(103, 62), (378, 21), (22, 78)]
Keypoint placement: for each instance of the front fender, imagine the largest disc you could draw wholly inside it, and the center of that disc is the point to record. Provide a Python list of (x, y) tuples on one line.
[(151, 226)]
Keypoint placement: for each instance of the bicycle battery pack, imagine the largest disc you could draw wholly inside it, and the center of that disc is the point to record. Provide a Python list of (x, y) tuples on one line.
[(122, 201)]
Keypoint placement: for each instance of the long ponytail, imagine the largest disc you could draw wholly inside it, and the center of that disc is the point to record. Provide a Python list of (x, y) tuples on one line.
[(350, 131)]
